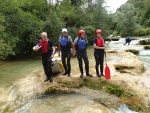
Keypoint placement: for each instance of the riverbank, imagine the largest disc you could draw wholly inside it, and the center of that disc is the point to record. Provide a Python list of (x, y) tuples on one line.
[(129, 84)]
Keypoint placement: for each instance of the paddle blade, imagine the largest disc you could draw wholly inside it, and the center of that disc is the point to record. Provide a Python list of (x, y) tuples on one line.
[(107, 72)]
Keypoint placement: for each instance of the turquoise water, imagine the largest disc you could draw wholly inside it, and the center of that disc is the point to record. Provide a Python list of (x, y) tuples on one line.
[(14, 70)]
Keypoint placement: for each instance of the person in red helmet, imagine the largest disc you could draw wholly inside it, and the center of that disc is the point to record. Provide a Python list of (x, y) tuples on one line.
[(99, 51), (80, 46)]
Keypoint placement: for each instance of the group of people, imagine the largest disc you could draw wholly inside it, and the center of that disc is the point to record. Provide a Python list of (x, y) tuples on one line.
[(79, 46)]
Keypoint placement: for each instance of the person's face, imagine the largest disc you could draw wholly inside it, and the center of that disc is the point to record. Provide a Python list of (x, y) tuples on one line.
[(98, 34), (43, 37), (83, 35), (64, 33)]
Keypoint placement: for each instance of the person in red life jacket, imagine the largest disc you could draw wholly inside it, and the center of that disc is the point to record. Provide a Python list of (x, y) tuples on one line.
[(47, 49), (80, 46), (64, 44), (99, 51)]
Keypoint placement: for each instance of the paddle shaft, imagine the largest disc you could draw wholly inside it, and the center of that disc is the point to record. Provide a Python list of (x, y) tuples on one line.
[(105, 57)]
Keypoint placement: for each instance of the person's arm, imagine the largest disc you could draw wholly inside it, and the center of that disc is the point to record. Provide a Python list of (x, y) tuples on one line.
[(73, 47), (37, 46), (59, 47), (97, 47), (53, 49)]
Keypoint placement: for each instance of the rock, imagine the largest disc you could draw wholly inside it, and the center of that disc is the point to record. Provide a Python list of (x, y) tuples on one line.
[(132, 51), (115, 38), (147, 47), (112, 51), (129, 63), (144, 42)]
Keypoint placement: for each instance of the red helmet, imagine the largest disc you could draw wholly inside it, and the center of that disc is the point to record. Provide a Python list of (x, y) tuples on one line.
[(99, 31), (81, 32)]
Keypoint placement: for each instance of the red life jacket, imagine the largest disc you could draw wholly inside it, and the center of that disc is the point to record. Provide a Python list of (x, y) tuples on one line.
[(100, 42), (44, 46)]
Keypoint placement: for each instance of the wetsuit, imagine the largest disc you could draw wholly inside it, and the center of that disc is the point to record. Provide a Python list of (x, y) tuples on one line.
[(65, 43), (80, 45), (99, 55), (46, 54)]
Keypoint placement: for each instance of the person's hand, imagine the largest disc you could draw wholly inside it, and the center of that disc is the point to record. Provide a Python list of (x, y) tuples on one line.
[(52, 56), (58, 54), (35, 48), (73, 53), (102, 47)]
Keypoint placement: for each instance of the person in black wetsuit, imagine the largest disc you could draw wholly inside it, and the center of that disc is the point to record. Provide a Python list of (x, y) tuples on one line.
[(80, 45), (47, 49), (99, 51), (65, 44)]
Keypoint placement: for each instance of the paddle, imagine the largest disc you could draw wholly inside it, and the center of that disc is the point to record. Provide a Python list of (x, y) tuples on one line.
[(107, 70)]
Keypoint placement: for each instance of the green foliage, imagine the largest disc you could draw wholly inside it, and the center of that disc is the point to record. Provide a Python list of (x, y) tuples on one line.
[(5, 50), (132, 18), (21, 22)]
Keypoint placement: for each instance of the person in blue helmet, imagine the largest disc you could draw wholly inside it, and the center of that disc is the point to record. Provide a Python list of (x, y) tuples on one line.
[(80, 46)]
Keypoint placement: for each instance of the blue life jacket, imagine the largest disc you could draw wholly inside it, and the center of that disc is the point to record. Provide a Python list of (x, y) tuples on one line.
[(82, 43), (64, 41), (128, 38)]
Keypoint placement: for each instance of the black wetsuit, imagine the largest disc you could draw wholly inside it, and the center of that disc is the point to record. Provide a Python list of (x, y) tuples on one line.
[(99, 59), (46, 60)]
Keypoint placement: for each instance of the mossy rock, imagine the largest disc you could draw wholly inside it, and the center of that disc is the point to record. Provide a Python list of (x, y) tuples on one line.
[(147, 47), (115, 39), (133, 51), (144, 42)]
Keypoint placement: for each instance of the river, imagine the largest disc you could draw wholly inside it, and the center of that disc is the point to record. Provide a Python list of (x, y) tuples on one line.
[(11, 72)]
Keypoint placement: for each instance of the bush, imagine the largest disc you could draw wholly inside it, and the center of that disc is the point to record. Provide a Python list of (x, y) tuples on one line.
[(5, 50), (142, 32)]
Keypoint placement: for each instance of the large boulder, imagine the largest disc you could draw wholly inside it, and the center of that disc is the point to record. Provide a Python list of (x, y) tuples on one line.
[(129, 63)]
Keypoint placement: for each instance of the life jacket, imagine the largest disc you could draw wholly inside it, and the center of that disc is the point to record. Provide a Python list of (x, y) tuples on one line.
[(128, 38), (82, 43), (44, 46), (64, 41), (99, 42)]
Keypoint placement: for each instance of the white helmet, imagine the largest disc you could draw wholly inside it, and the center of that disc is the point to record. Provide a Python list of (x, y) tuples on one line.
[(64, 30)]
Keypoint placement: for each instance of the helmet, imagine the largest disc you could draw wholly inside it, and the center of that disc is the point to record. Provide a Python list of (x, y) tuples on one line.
[(81, 32), (64, 30), (98, 31)]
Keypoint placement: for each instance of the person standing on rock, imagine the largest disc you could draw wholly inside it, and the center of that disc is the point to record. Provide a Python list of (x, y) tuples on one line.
[(80, 45), (47, 49), (99, 51), (65, 44), (128, 40)]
